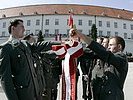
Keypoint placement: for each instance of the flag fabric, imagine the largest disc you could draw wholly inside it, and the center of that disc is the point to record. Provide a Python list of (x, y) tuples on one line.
[(59, 50), (70, 21), (69, 68)]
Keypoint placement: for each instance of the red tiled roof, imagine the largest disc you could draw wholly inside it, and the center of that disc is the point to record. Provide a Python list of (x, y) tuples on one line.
[(65, 9)]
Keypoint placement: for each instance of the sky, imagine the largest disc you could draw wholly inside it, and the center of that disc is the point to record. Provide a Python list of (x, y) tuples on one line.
[(120, 4)]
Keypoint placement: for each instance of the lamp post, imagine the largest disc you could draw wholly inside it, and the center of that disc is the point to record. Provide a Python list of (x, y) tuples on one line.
[(95, 19), (42, 23)]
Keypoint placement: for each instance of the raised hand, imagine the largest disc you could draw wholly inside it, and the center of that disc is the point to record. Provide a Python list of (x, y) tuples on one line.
[(76, 34)]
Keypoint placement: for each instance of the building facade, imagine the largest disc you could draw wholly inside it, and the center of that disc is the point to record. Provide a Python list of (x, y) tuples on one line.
[(52, 19)]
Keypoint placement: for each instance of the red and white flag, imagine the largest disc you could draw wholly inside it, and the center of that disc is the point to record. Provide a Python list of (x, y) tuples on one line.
[(70, 21), (69, 68)]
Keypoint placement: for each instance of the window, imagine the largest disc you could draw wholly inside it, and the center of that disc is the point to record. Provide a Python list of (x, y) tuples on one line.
[(47, 22), (4, 25), (89, 32), (37, 22), (115, 25), (56, 21), (80, 22), (116, 33), (28, 22), (36, 31), (125, 35), (90, 22), (46, 31), (80, 31), (56, 31), (100, 33), (3, 33), (108, 24), (27, 31), (100, 23), (124, 26), (67, 21), (108, 33), (131, 27), (131, 35)]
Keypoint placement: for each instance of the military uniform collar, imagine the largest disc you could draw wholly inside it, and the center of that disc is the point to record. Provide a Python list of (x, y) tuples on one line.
[(24, 42), (14, 41), (120, 52), (17, 41)]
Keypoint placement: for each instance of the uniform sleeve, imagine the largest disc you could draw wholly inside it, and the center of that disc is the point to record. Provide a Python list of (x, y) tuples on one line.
[(6, 74), (45, 46), (117, 60)]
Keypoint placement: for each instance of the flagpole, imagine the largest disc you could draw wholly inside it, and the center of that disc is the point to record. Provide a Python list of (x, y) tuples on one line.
[(73, 83)]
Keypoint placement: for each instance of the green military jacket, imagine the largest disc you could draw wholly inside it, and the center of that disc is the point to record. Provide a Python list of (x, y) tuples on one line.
[(18, 77), (115, 72)]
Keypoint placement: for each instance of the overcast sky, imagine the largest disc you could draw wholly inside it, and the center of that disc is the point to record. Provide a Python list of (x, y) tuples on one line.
[(121, 4)]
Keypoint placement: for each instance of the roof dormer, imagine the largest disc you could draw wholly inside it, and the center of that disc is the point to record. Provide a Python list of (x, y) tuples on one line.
[(35, 13), (3, 16), (70, 10), (103, 14), (84, 12), (119, 16), (21, 14), (55, 12)]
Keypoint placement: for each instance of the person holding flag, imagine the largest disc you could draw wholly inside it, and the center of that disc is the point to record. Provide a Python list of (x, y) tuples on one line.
[(70, 51), (115, 69)]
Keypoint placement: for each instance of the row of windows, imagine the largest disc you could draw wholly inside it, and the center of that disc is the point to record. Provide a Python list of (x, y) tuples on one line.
[(115, 25), (100, 33), (80, 22), (115, 34), (46, 31)]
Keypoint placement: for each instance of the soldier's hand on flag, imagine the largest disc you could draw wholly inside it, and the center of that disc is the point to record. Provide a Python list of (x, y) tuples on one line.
[(75, 33)]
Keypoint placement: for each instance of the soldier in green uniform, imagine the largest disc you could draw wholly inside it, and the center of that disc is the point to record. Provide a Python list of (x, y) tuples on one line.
[(86, 62), (31, 39), (115, 69), (52, 70), (18, 80), (98, 72), (18, 77)]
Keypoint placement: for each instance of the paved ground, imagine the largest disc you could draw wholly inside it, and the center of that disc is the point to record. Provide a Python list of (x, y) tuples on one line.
[(128, 88)]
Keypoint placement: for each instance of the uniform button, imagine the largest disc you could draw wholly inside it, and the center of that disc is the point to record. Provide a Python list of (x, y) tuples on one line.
[(44, 94), (21, 87), (12, 75), (39, 57), (35, 65), (18, 55), (106, 77), (109, 92)]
